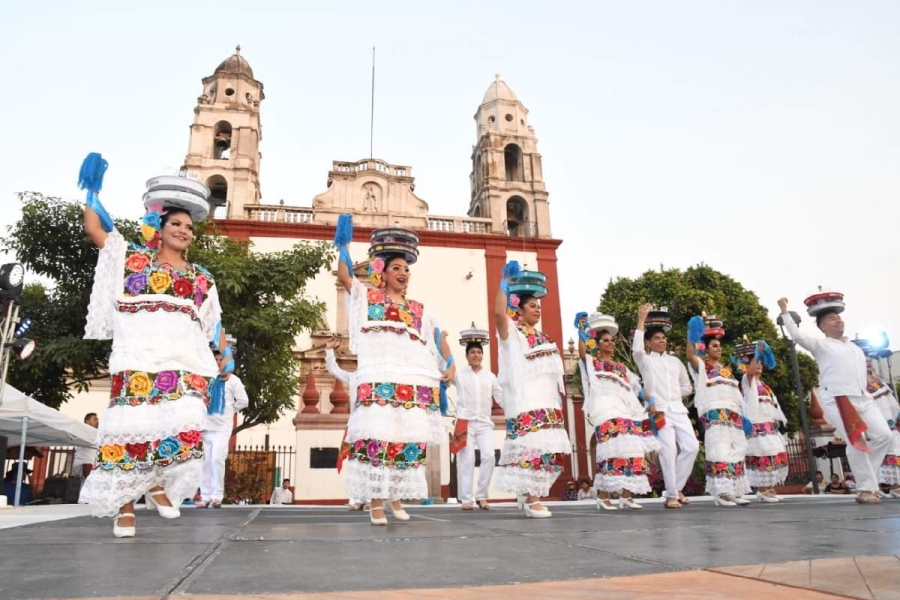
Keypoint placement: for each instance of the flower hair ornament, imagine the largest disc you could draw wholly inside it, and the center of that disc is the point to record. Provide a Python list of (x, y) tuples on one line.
[(376, 272), (585, 333), (150, 226)]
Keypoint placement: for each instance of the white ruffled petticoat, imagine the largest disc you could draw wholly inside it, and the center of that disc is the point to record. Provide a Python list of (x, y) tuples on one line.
[(148, 437), (766, 448), (889, 471)]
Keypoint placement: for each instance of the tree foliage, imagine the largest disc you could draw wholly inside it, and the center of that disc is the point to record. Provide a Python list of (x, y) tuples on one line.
[(262, 297), (691, 292)]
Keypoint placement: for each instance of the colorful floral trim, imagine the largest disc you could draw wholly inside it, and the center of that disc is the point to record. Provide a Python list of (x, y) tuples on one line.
[(875, 384), (891, 460), (764, 429), (533, 421), (533, 336), (612, 371), (768, 463), (382, 308), (153, 306), (187, 445), (770, 401), (722, 416), (132, 388), (725, 470), (398, 395), (143, 275), (551, 462), (719, 375), (393, 455), (541, 354), (616, 427), (622, 467)]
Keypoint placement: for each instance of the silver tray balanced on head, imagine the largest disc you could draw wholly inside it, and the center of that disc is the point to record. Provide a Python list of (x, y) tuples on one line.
[(532, 289), (194, 204)]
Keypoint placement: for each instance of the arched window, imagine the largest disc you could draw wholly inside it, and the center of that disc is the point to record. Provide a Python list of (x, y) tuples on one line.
[(517, 217), (512, 156), (222, 141), (477, 212), (218, 188)]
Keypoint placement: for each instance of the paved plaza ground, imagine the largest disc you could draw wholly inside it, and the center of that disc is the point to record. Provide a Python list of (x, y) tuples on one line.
[(804, 547)]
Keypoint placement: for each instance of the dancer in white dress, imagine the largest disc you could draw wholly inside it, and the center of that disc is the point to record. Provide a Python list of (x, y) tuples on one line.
[(612, 407), (531, 376), (889, 473), (719, 404), (160, 311), (398, 378), (767, 457)]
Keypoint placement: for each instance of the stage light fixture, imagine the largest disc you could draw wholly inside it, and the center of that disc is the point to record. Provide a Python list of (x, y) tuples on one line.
[(23, 348), (11, 277), (878, 341), (24, 325)]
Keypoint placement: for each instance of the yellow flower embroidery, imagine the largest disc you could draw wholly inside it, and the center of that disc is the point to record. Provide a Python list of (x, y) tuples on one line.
[(140, 384), (112, 453), (147, 232), (160, 282)]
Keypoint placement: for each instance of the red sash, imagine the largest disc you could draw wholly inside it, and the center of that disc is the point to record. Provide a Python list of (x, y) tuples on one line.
[(460, 436), (853, 423)]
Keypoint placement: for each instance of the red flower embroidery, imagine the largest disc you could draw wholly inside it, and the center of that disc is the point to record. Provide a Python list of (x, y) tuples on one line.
[(403, 392), (137, 451), (190, 438), (183, 288), (394, 449), (392, 314), (137, 262), (118, 380), (197, 383)]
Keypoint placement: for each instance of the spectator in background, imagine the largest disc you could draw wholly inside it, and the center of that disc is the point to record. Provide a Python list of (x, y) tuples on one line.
[(571, 493), (585, 490), (283, 495), (9, 485), (83, 461), (820, 479), (836, 486), (850, 482)]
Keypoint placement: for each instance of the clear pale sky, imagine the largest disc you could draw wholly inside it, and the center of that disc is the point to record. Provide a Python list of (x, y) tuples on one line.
[(762, 138)]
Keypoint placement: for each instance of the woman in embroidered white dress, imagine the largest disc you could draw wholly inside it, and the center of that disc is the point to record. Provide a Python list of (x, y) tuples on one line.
[(889, 473), (531, 375), (397, 398), (613, 409), (160, 311), (718, 401), (767, 458)]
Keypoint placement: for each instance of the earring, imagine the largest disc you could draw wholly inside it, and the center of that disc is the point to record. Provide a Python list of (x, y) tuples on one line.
[(185, 254)]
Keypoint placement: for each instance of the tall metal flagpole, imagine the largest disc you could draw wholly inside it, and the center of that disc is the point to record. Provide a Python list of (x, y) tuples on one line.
[(372, 109)]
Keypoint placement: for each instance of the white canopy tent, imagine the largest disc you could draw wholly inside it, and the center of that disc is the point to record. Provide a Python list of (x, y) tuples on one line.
[(26, 422)]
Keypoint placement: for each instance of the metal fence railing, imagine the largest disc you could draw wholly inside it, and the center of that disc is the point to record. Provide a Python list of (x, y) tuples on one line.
[(253, 472)]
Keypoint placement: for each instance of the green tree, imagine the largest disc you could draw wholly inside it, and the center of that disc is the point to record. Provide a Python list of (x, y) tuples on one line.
[(262, 297), (693, 291)]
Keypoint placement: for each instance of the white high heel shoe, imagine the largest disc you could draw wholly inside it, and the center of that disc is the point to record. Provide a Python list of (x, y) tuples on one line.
[(766, 497), (123, 532), (629, 503), (740, 500), (543, 513), (166, 512), (605, 504), (399, 513), (720, 501)]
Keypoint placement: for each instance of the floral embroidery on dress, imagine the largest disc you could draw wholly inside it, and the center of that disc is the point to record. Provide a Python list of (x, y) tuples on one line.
[(380, 307), (719, 375), (533, 336), (768, 463), (616, 427), (398, 395), (722, 416), (144, 275), (891, 460), (724, 470), (534, 420), (763, 429), (132, 388), (394, 455), (622, 467), (548, 461), (875, 384), (187, 445), (611, 370)]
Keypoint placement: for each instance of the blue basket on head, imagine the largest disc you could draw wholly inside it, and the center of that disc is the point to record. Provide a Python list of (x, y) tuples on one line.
[(532, 283)]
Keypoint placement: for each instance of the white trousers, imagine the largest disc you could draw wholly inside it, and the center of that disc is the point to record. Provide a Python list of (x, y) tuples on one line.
[(215, 451), (676, 466), (481, 436), (864, 465)]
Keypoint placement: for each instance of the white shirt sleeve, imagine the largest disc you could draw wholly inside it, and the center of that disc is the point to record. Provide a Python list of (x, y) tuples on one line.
[(807, 342), (334, 369), (241, 401), (496, 390), (684, 381), (637, 349)]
